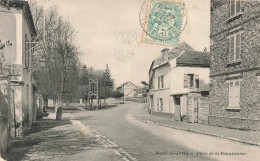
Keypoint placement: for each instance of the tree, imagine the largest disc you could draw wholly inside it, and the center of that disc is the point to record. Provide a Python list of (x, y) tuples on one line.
[(56, 48), (106, 84)]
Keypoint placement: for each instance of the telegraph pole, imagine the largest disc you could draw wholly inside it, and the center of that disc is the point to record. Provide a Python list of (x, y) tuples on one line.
[(123, 93)]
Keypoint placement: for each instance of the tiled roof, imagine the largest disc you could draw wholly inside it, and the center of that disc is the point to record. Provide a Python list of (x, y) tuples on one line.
[(194, 58)]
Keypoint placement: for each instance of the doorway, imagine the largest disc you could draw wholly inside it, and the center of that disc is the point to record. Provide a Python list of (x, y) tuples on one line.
[(177, 103), (196, 111)]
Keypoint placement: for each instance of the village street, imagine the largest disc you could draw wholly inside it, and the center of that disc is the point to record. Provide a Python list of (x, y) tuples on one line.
[(148, 142)]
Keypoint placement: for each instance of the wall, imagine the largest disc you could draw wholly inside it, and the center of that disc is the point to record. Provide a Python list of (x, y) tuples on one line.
[(203, 108), (249, 115), (163, 93), (129, 90), (177, 79)]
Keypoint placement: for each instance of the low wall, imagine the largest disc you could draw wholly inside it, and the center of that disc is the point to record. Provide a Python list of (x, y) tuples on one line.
[(235, 123), (137, 99), (202, 110)]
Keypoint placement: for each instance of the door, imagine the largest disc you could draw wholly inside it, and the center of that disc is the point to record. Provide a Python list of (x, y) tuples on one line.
[(177, 103), (196, 110)]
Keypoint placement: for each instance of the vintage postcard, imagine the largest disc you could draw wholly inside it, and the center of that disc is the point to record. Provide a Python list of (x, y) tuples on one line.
[(130, 80)]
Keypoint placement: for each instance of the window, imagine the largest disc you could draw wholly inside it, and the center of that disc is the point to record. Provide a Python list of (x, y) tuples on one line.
[(234, 7), (191, 81), (234, 94), (159, 104), (160, 82), (235, 47), (191, 78)]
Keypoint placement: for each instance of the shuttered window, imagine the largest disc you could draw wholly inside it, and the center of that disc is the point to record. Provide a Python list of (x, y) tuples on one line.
[(27, 52), (161, 104), (234, 7), (234, 94), (235, 47), (162, 81), (158, 103), (191, 81)]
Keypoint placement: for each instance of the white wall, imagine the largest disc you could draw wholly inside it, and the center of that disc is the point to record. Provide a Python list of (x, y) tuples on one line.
[(177, 79), (163, 93)]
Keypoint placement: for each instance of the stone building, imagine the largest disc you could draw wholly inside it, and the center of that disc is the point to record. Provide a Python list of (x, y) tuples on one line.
[(235, 64), (178, 83)]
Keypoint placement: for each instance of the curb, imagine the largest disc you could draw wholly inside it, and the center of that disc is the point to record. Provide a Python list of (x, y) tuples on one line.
[(197, 132)]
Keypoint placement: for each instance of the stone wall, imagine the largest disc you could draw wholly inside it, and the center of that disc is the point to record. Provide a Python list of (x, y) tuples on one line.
[(222, 26), (202, 111)]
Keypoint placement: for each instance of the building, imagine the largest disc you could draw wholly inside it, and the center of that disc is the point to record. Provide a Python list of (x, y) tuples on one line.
[(18, 28), (235, 64), (128, 88), (178, 79)]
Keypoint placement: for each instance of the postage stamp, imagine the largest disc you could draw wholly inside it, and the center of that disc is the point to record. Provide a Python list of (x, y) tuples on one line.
[(162, 21)]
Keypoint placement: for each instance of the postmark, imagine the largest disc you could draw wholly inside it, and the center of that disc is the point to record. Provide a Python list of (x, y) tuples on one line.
[(162, 21), (126, 42)]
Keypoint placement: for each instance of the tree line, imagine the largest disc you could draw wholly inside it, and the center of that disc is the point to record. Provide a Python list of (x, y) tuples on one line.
[(56, 67)]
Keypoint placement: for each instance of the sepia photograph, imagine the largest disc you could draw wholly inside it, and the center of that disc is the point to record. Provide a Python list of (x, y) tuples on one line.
[(129, 80)]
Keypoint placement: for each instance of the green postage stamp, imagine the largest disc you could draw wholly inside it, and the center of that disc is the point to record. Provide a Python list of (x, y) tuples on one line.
[(162, 21)]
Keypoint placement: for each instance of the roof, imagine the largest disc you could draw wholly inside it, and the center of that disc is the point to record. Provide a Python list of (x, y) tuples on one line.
[(193, 58), (126, 84), (26, 10)]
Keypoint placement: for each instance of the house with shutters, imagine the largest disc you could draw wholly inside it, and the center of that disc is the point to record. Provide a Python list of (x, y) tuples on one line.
[(178, 79), (235, 64), (19, 29), (128, 89)]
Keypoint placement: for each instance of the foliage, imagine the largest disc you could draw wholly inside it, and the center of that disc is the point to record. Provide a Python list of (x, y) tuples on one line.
[(56, 62), (117, 94)]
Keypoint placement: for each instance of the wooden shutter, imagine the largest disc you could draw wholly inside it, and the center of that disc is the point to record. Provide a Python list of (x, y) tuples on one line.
[(238, 44), (231, 49), (232, 7), (237, 6), (25, 51), (236, 94), (197, 81), (231, 92), (158, 101), (186, 81), (162, 81), (159, 82), (161, 100)]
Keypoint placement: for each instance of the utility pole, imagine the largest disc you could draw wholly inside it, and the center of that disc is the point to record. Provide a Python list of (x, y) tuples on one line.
[(123, 93)]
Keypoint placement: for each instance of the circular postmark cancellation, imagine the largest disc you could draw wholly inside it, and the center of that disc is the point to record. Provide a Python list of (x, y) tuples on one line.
[(126, 42), (162, 21)]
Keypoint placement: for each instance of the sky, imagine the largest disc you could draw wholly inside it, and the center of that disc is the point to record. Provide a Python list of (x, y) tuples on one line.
[(100, 25)]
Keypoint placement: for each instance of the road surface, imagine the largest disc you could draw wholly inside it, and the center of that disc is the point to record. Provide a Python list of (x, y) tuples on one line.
[(148, 142)]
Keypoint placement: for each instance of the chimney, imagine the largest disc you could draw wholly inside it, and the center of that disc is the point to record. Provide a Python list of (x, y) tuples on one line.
[(165, 54), (205, 49)]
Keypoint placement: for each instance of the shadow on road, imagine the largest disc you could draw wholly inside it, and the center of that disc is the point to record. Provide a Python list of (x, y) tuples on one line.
[(20, 146)]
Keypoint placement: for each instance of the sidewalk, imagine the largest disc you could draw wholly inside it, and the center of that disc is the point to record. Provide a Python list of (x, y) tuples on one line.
[(249, 137), (60, 140)]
